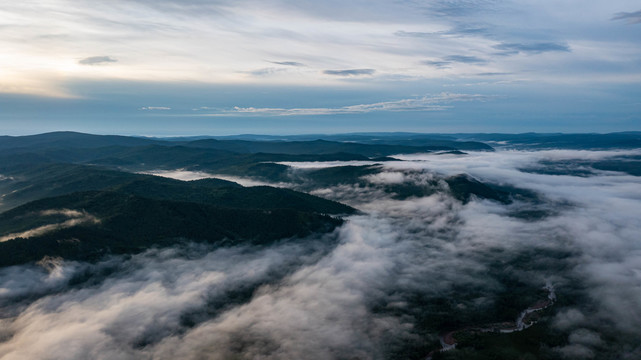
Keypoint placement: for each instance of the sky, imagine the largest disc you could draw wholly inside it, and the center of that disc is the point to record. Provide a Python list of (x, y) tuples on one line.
[(221, 67)]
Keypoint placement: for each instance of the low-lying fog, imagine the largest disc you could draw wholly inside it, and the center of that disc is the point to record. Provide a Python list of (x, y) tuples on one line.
[(377, 285)]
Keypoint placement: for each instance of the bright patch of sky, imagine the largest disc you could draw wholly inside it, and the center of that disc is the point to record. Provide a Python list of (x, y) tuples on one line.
[(283, 66)]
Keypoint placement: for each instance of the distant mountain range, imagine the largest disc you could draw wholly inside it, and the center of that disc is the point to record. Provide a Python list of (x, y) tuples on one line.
[(309, 144), (461, 141), (231, 157)]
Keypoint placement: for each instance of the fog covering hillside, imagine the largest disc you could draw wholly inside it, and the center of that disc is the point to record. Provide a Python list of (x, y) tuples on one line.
[(439, 244)]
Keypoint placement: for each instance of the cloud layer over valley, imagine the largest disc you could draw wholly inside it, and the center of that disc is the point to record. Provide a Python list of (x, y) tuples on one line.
[(384, 285)]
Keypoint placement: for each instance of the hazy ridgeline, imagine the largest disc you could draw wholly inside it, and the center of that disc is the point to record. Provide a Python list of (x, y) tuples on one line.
[(427, 253)]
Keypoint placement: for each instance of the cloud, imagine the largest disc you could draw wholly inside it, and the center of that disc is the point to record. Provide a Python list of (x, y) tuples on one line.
[(602, 251), (437, 63), (629, 17), (449, 60), (467, 30), (321, 36), (387, 178), (265, 71), (97, 60), (569, 319), (151, 108), (384, 284), (287, 63), (456, 31), (576, 351), (416, 34), (75, 218), (602, 270), (427, 103), (138, 302), (532, 48), (585, 337), (465, 59), (349, 72), (493, 74), (581, 344), (183, 175)]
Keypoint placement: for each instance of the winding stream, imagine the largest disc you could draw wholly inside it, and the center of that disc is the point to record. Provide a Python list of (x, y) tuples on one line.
[(522, 322)]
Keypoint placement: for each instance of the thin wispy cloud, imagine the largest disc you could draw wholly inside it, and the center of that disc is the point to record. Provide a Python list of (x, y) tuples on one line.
[(438, 102), (415, 34), (152, 108), (465, 59), (457, 31), (437, 63), (452, 59), (265, 71), (350, 72), (97, 60), (532, 48), (492, 74), (287, 63), (471, 30), (629, 17)]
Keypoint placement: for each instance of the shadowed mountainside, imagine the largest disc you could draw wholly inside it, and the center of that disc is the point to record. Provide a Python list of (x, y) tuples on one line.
[(110, 222)]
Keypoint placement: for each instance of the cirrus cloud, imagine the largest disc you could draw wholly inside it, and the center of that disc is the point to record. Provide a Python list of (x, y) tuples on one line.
[(350, 72), (629, 17), (97, 60), (426, 103)]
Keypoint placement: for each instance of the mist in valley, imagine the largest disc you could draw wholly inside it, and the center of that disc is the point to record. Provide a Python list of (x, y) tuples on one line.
[(386, 284)]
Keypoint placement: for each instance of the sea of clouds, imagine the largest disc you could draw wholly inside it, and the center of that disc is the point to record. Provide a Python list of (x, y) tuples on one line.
[(352, 293)]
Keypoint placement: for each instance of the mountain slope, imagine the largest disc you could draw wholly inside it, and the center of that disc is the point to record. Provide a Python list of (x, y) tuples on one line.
[(92, 224), (26, 183)]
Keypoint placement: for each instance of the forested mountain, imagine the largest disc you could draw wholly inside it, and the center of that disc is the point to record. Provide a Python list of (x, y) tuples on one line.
[(89, 225)]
